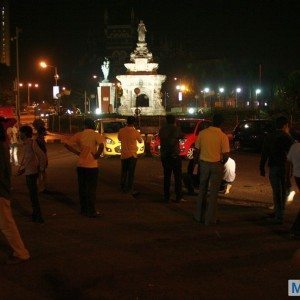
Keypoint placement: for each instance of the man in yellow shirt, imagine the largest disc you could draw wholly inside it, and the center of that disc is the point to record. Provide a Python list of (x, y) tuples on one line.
[(88, 145), (213, 146), (128, 137)]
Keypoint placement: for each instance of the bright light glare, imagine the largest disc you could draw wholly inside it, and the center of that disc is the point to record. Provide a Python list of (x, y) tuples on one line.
[(183, 87), (238, 90), (43, 64), (21, 84), (246, 126), (36, 85), (29, 84), (206, 90), (258, 91), (191, 110), (177, 87), (221, 90), (98, 111)]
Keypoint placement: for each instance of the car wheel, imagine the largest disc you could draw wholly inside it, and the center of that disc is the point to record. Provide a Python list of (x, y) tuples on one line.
[(236, 145), (190, 153)]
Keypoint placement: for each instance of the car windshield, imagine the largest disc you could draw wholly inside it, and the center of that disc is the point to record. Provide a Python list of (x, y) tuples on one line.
[(187, 126), (112, 127)]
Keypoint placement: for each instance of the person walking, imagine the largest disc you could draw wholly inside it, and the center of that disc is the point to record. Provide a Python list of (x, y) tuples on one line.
[(294, 158), (128, 137), (275, 149), (33, 162), (88, 145), (12, 133), (169, 135), (40, 139), (213, 146), (7, 223)]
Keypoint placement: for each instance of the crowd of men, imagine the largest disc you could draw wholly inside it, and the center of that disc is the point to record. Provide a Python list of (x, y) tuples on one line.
[(211, 155)]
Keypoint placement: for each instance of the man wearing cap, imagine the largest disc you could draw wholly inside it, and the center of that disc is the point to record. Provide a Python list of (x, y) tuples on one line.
[(88, 145), (213, 145)]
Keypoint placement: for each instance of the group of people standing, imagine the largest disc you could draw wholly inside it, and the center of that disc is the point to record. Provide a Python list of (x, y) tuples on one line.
[(211, 156)]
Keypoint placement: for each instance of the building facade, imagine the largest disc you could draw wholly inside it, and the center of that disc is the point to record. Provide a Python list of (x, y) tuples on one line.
[(4, 33)]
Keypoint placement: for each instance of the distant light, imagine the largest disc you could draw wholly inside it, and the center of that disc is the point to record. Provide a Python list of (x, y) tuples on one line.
[(43, 64), (177, 87), (98, 111), (180, 96), (221, 90), (238, 90), (206, 90), (175, 78), (69, 111), (21, 84), (266, 104), (257, 91), (248, 103), (246, 126), (36, 85), (29, 84), (95, 76), (191, 110), (183, 87)]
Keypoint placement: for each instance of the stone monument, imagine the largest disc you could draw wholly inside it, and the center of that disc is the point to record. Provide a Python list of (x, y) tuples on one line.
[(106, 90), (141, 85)]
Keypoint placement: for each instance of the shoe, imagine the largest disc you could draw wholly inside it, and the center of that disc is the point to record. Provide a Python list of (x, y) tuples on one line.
[(228, 187), (95, 215), (14, 260)]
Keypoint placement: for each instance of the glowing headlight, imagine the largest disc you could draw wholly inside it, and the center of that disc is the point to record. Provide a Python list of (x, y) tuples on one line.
[(109, 141)]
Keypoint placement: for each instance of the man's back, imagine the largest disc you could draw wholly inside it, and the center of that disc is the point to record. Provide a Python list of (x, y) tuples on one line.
[(128, 137), (169, 136), (212, 143)]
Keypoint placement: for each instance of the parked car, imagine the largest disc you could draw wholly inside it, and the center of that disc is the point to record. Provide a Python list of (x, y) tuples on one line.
[(251, 133), (109, 128), (190, 128)]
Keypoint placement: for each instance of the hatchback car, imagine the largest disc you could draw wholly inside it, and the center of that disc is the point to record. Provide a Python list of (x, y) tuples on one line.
[(190, 128), (109, 128), (251, 133)]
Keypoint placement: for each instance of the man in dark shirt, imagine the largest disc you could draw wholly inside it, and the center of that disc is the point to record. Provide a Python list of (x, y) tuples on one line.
[(275, 149), (169, 136)]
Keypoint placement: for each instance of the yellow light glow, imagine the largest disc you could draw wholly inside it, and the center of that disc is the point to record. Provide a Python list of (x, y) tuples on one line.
[(43, 64), (29, 84), (20, 84)]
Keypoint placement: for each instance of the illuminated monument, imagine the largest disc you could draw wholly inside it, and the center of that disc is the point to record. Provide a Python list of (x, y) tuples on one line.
[(141, 85)]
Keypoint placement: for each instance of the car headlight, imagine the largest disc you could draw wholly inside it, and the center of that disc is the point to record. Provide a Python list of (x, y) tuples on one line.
[(109, 141)]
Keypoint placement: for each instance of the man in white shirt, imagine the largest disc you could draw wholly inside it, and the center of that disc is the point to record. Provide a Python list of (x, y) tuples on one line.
[(12, 133), (294, 157), (229, 176), (88, 145)]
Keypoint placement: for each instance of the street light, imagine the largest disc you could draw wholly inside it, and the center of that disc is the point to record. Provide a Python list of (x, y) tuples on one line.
[(44, 65), (221, 91), (237, 91), (205, 91), (29, 85)]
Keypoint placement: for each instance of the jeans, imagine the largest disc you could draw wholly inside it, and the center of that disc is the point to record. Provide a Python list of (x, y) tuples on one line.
[(211, 174), (127, 173), (87, 186), (31, 181), (172, 165), (10, 230), (277, 177)]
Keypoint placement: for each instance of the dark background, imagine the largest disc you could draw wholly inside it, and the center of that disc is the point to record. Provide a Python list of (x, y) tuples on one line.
[(244, 34)]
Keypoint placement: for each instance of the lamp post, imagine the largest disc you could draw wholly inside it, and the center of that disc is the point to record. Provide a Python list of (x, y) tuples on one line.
[(44, 65), (205, 91), (257, 92), (237, 91), (221, 91), (29, 86)]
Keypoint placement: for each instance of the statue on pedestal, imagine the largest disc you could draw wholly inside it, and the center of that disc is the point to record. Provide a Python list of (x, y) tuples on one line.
[(141, 32), (105, 69)]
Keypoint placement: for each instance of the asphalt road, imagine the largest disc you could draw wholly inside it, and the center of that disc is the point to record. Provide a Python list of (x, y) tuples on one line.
[(144, 249)]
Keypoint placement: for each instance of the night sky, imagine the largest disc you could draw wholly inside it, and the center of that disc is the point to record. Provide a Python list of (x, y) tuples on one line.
[(63, 31)]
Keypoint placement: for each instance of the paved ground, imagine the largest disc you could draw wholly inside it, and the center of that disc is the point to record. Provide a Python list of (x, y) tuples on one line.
[(143, 249)]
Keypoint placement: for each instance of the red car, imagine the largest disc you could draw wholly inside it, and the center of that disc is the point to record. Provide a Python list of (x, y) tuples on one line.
[(190, 129)]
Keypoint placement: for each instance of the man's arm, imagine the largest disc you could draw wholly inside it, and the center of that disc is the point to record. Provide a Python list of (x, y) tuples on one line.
[(72, 149), (99, 151)]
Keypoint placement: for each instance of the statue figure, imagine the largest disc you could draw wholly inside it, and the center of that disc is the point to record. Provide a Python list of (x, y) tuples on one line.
[(105, 69), (141, 32)]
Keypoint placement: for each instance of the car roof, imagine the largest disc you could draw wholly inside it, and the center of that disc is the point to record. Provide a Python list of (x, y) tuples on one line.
[(111, 120)]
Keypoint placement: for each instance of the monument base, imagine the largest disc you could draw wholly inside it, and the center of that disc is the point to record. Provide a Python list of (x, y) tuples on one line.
[(106, 97)]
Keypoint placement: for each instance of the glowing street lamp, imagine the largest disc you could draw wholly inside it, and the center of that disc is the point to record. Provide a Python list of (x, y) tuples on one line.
[(29, 86), (44, 65), (237, 91), (205, 91), (221, 91)]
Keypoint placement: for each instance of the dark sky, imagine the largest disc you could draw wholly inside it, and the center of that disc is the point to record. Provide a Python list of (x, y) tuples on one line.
[(268, 31)]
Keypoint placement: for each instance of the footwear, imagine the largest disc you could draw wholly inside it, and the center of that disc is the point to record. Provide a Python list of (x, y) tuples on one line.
[(228, 187), (14, 260), (95, 215)]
